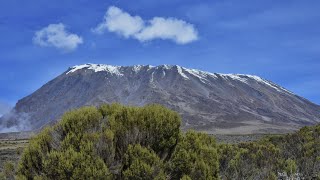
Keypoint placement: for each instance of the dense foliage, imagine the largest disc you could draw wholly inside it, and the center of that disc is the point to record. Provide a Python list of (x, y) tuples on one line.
[(294, 156), (119, 142)]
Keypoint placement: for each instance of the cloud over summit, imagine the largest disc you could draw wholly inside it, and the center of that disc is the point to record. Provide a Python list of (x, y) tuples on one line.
[(128, 26), (55, 35), (115, 20)]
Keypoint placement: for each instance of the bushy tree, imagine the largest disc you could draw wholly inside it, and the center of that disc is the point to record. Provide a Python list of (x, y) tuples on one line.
[(117, 142), (8, 171), (142, 163), (295, 155), (195, 157)]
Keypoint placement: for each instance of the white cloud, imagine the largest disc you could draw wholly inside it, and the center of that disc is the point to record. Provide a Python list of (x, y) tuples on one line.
[(120, 22), (177, 30), (55, 35)]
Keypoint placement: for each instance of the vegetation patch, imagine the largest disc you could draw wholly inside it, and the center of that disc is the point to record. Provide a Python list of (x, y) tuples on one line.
[(121, 142)]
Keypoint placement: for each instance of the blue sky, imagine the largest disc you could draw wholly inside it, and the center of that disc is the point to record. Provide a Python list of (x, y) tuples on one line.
[(277, 40)]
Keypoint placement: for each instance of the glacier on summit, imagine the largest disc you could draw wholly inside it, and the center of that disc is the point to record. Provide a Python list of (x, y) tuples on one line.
[(201, 75)]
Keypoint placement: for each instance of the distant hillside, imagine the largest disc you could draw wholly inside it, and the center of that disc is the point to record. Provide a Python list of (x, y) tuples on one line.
[(211, 102)]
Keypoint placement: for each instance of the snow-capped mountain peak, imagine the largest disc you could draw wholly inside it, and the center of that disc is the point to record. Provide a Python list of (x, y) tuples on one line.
[(206, 101), (185, 73)]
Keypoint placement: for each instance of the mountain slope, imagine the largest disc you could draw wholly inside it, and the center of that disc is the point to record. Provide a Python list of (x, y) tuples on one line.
[(212, 102)]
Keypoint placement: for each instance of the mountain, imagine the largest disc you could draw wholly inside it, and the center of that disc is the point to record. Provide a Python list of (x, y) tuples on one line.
[(211, 102)]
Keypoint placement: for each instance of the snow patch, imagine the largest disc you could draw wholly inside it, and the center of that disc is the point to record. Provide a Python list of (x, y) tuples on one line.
[(181, 72), (137, 68), (151, 80), (259, 79), (163, 73), (234, 77), (201, 75), (149, 67), (78, 67), (166, 66), (245, 77), (97, 68)]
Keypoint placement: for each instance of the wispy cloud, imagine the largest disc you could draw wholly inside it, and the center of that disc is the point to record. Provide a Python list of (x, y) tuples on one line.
[(15, 122), (128, 26), (55, 35), (4, 108)]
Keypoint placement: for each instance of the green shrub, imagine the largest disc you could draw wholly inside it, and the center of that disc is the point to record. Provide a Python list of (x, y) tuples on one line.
[(124, 142), (196, 157), (142, 163), (8, 172), (109, 142)]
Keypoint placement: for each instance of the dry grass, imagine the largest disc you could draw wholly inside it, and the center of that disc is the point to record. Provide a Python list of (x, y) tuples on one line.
[(10, 150)]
